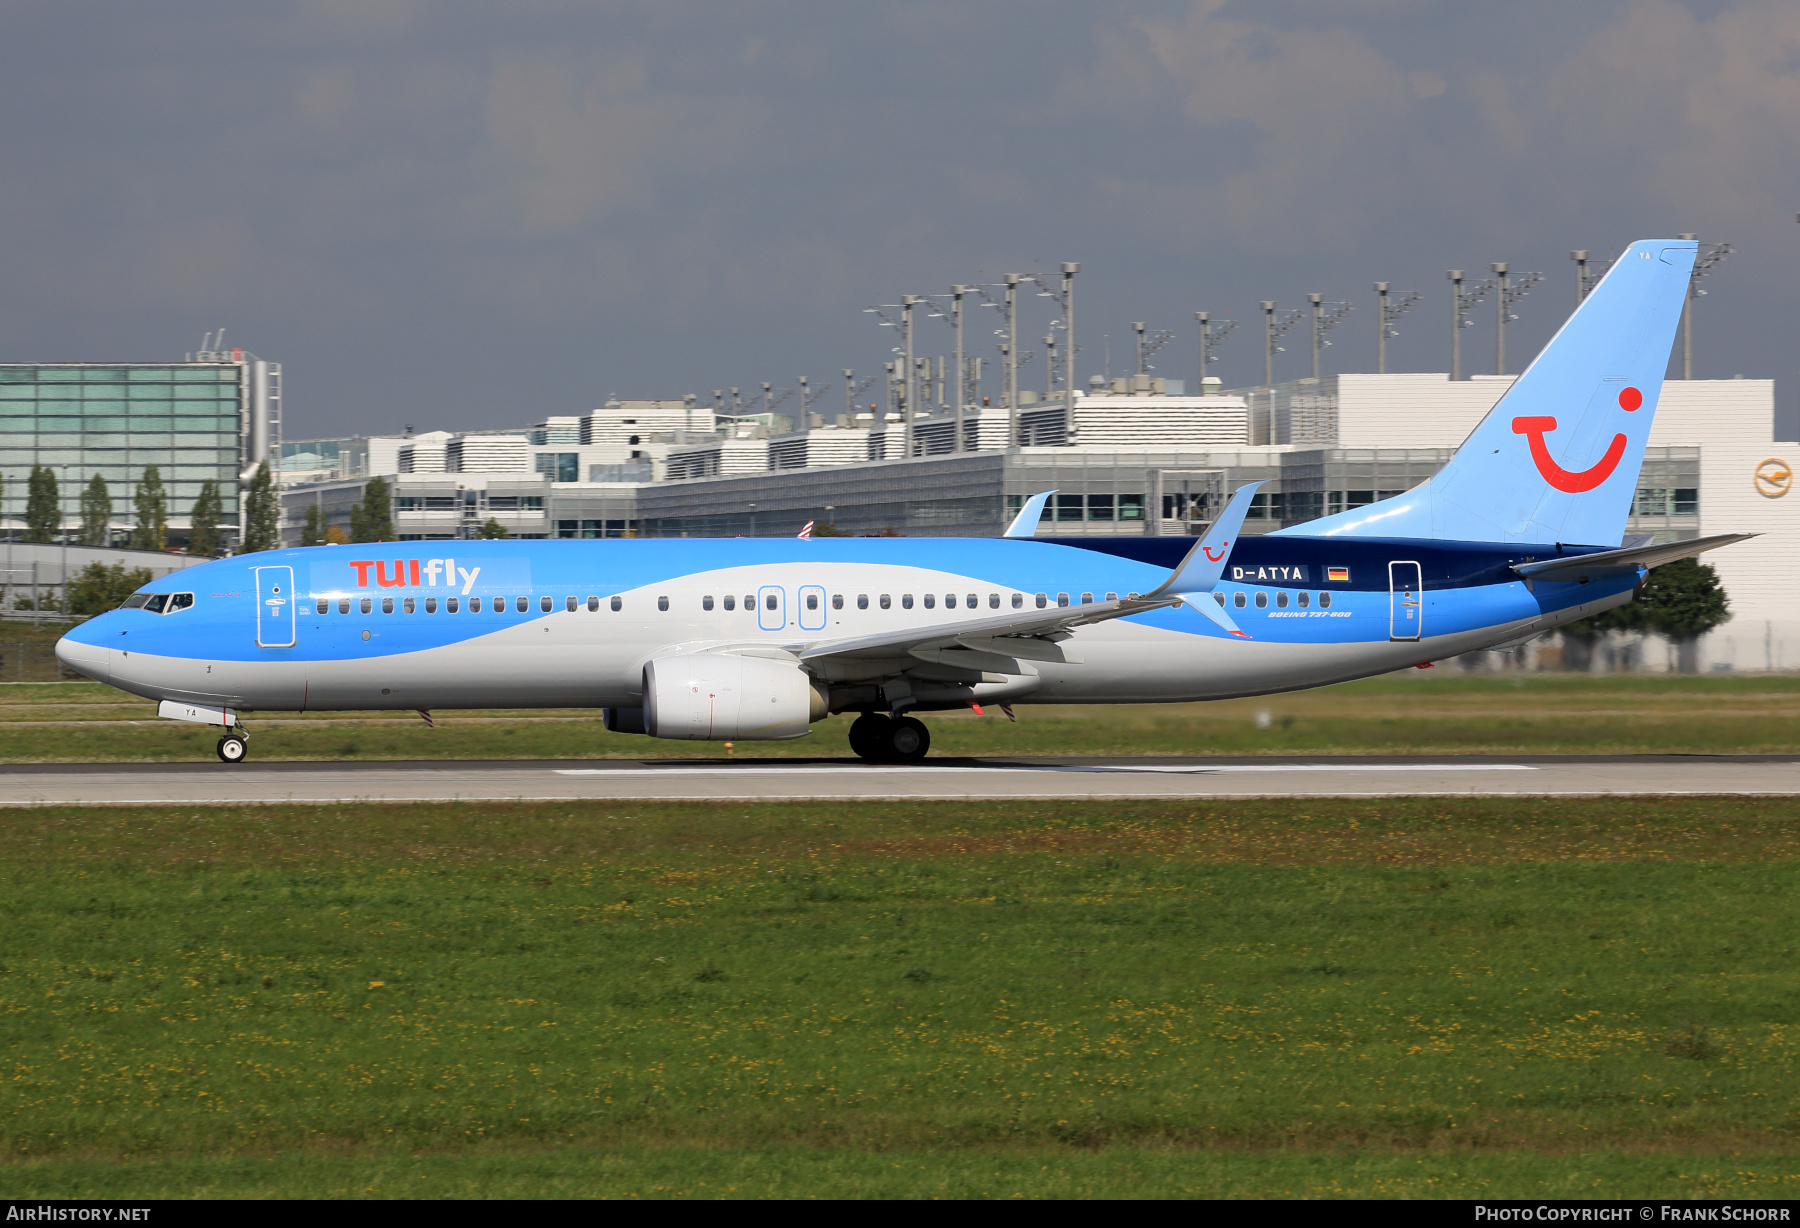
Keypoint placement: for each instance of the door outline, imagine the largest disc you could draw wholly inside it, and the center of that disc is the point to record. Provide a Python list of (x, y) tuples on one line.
[(275, 607), (1406, 602), (810, 620), (775, 619)]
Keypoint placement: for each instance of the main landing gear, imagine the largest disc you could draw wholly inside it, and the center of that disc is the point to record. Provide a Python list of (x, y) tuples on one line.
[(234, 747), (885, 739)]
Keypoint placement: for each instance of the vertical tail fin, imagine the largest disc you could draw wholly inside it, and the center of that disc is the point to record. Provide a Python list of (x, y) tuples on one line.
[(1557, 459)]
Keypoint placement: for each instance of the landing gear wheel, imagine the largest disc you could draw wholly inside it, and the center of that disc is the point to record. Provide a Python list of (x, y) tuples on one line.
[(866, 735), (234, 748), (906, 740)]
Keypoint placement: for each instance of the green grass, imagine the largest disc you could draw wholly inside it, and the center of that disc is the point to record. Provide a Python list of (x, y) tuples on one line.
[(1435, 711), (1490, 998)]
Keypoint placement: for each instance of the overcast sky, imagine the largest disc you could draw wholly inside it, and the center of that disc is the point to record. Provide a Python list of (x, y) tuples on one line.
[(464, 214)]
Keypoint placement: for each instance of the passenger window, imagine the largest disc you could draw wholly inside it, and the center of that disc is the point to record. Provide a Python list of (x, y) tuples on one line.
[(1237, 599), (993, 600), (324, 607), (862, 601), (367, 605), (1262, 601), (1219, 597), (706, 602), (617, 604), (387, 605), (343, 605), (450, 605), (569, 605), (1112, 596), (662, 603), (500, 605), (906, 601), (1042, 601), (1281, 600), (931, 601), (1324, 601), (593, 605), (730, 602), (1018, 601), (769, 602), (749, 602), (812, 601), (431, 605), (949, 601), (1305, 599), (411, 606), (544, 604), (887, 602), (1062, 599), (474, 605), (1087, 599), (522, 604), (837, 601)]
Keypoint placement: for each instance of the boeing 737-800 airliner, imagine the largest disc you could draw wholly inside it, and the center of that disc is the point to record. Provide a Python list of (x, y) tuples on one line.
[(757, 638)]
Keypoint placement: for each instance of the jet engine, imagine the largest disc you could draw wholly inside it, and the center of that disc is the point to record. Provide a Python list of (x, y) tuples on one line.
[(715, 696)]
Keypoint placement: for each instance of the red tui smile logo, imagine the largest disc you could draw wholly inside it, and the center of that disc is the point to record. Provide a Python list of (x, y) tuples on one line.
[(1534, 430), (1224, 549)]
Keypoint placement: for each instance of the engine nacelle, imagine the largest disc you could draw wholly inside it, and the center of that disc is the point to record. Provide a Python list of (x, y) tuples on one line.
[(717, 696)]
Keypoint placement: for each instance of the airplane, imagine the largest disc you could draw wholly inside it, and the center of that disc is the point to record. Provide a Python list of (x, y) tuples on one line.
[(758, 639)]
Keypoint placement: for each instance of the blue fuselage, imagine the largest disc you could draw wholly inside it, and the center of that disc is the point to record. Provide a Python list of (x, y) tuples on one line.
[(446, 624)]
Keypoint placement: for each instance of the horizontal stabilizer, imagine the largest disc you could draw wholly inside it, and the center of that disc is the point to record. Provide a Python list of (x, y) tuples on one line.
[(1578, 567)]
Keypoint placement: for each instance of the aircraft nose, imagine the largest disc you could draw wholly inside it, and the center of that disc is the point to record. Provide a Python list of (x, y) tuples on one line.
[(89, 659)]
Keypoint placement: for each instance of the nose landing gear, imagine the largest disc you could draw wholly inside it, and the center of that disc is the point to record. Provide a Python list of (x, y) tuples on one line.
[(882, 739), (234, 747)]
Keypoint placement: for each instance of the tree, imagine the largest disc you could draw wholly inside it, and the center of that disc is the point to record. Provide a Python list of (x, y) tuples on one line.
[(43, 505), (1681, 600), (312, 533), (493, 529), (335, 536), (372, 520), (99, 588), (262, 513), (96, 513), (152, 503), (203, 535)]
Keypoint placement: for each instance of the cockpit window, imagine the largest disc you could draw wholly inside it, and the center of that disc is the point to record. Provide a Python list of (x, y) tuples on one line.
[(159, 603)]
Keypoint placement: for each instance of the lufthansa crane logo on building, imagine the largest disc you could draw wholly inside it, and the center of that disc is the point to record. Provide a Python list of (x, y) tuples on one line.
[(1773, 478)]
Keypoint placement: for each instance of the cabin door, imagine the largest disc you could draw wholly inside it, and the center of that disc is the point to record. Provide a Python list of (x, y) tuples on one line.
[(771, 608), (1405, 601), (275, 607), (812, 608)]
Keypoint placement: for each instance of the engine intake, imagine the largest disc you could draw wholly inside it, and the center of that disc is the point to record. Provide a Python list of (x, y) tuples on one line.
[(717, 696)]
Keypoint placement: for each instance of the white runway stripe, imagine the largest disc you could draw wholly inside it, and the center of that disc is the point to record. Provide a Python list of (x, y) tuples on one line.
[(913, 770)]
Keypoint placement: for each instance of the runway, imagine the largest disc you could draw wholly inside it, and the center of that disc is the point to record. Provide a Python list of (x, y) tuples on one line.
[(849, 780)]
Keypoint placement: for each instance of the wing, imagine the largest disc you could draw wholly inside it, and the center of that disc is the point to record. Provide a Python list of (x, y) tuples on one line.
[(997, 645)]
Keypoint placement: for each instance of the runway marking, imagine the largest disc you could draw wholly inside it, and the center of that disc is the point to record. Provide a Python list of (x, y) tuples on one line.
[(814, 770)]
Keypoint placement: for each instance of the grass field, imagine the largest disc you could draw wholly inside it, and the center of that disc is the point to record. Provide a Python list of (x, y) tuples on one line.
[(1429, 711), (1398, 998)]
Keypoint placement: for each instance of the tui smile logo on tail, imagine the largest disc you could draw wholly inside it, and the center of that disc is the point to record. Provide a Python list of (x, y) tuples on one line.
[(1534, 430)]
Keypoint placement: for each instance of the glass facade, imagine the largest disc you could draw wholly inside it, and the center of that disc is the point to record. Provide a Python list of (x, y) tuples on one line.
[(113, 419)]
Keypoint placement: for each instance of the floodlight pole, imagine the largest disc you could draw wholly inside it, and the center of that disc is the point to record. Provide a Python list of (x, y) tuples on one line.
[(1204, 320), (956, 309), (1499, 271), (1137, 327), (1012, 359), (1456, 313), (1268, 309), (1580, 257), (1381, 327), (907, 302)]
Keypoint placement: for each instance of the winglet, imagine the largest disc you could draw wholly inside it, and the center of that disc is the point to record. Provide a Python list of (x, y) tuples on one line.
[(1026, 522), (1205, 563), (1215, 610)]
